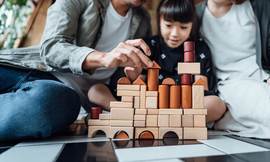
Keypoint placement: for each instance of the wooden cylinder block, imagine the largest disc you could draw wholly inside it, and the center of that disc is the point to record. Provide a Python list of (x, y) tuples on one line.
[(175, 97), (186, 96), (186, 79), (189, 46), (164, 96), (152, 79), (146, 135), (189, 56), (94, 112)]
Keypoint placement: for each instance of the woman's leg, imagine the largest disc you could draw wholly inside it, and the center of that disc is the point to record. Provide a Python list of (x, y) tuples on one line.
[(215, 108)]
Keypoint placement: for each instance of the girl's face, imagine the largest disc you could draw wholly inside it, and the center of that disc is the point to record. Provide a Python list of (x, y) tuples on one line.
[(174, 33)]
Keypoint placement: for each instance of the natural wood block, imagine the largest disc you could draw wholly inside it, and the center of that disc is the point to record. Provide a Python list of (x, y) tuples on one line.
[(164, 96), (140, 117), (140, 111), (186, 96), (139, 123), (152, 111), (92, 130), (163, 120), (197, 97), (170, 111), (128, 93), (195, 133), (98, 122), (137, 102), (175, 121), (199, 121), (177, 131), (104, 116), (142, 96), (139, 81), (123, 80), (139, 131), (128, 87), (151, 102), (195, 111), (175, 95), (122, 114), (189, 68), (187, 120), (151, 120), (120, 104), (127, 99), (121, 123), (168, 81), (128, 130), (151, 93)]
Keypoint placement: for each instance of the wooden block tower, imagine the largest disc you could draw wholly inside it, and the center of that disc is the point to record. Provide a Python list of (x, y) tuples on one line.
[(152, 111)]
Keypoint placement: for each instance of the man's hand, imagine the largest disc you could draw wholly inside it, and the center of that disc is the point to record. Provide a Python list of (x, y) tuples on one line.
[(133, 73)]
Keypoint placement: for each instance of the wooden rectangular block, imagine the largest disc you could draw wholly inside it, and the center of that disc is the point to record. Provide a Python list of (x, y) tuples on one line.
[(187, 120), (92, 130), (163, 120), (139, 123), (177, 131), (195, 133), (189, 68), (98, 122), (121, 123), (140, 111), (104, 116), (142, 96), (195, 111), (128, 87), (138, 131), (136, 102), (151, 93), (152, 111), (128, 130), (127, 99), (151, 103), (199, 121), (122, 114), (120, 104), (170, 111), (197, 97), (151, 120), (175, 121), (140, 117), (128, 93)]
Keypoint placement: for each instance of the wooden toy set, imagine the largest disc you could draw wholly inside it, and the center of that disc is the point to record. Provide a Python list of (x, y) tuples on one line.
[(153, 111)]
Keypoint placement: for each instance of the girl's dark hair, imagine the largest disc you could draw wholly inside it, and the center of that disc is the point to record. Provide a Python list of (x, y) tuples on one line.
[(178, 10)]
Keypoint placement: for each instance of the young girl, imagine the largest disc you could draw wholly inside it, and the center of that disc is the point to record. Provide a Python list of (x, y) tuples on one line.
[(177, 23)]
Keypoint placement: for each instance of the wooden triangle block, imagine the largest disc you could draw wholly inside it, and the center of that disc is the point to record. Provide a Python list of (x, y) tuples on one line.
[(123, 80), (139, 81), (155, 66), (168, 81), (199, 82)]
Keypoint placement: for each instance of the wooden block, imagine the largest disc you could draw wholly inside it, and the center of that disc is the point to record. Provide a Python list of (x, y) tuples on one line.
[(92, 130), (128, 93), (104, 116), (168, 81), (98, 122), (199, 121), (164, 96), (142, 96), (136, 102), (122, 114), (140, 117), (152, 79), (195, 111), (151, 93), (187, 120), (197, 97), (139, 131), (151, 103), (140, 111), (186, 96), (123, 80), (139, 81), (120, 104), (170, 111), (163, 120), (195, 133), (152, 111), (128, 130), (121, 123), (151, 120), (189, 68), (128, 87), (139, 123), (164, 131), (175, 121), (127, 99)]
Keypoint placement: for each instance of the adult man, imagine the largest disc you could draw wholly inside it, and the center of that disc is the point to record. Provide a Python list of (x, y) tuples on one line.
[(80, 36)]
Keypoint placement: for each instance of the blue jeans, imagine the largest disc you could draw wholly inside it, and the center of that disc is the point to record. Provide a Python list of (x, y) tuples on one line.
[(34, 104)]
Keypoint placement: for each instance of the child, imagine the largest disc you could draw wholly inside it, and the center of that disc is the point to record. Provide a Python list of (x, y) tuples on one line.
[(177, 23)]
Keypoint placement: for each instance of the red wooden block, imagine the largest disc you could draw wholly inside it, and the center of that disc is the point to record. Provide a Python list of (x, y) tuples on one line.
[(186, 79), (189, 46), (95, 111), (189, 56)]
